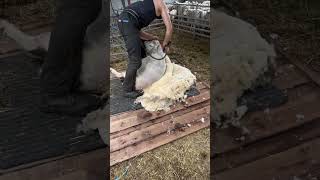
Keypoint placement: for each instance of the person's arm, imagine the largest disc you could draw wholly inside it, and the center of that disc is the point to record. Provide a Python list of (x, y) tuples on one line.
[(167, 22), (147, 37)]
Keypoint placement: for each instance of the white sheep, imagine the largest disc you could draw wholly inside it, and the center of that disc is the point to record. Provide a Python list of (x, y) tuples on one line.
[(151, 69), (173, 13), (240, 55)]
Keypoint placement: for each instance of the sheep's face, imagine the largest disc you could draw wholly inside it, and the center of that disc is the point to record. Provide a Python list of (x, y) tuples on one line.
[(153, 47)]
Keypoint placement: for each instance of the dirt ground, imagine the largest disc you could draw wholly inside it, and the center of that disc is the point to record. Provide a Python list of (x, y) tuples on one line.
[(188, 157), (289, 23)]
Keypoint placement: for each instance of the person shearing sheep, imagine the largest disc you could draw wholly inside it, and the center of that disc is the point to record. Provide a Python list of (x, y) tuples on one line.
[(132, 19)]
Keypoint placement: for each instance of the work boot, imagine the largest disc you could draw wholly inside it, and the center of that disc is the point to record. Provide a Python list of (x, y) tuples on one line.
[(76, 104), (133, 94)]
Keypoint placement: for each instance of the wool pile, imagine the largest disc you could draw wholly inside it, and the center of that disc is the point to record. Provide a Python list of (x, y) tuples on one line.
[(169, 89)]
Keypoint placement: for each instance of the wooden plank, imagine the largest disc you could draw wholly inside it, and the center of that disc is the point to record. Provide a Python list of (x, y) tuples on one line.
[(158, 129), (315, 76), (285, 165), (262, 125), (267, 147), (133, 118), (159, 120), (288, 76), (93, 162), (152, 143)]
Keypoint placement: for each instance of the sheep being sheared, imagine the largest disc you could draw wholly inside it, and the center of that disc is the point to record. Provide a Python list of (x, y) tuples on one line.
[(151, 69), (239, 56), (162, 81)]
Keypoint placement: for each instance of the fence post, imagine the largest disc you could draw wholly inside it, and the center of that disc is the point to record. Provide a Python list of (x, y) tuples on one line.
[(194, 22)]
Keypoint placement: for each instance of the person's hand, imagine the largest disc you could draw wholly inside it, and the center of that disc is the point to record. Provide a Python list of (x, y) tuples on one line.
[(165, 47), (166, 50)]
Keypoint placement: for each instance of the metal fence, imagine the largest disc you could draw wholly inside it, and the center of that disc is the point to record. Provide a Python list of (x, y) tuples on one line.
[(197, 27)]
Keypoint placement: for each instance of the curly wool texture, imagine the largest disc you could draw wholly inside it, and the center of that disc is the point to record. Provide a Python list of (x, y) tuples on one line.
[(169, 89)]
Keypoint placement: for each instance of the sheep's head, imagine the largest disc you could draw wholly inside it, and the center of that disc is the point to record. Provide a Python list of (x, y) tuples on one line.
[(154, 48)]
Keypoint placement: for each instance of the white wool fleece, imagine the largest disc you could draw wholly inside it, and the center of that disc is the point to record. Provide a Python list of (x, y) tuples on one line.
[(239, 56)]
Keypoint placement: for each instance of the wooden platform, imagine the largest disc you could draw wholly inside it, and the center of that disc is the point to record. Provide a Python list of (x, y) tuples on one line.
[(283, 142), (87, 166), (136, 132)]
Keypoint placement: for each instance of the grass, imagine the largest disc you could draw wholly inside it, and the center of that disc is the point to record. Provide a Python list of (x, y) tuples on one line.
[(188, 157)]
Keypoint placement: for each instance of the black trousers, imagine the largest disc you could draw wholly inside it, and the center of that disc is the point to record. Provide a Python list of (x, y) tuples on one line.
[(62, 66), (129, 29)]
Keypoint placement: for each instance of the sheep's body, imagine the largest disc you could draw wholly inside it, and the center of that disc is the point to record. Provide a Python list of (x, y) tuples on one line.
[(239, 56), (151, 69), (94, 58), (163, 82), (167, 90)]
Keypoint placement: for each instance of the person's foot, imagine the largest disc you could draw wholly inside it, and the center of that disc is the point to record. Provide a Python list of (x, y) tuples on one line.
[(74, 104), (133, 94)]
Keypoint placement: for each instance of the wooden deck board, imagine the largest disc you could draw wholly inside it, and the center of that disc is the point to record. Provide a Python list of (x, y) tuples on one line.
[(288, 76), (263, 125), (272, 150), (152, 143), (159, 120), (284, 165), (136, 132), (267, 147), (82, 166), (134, 118), (159, 128)]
